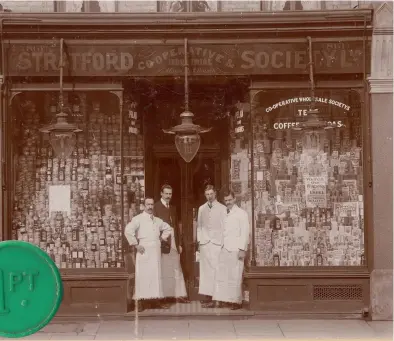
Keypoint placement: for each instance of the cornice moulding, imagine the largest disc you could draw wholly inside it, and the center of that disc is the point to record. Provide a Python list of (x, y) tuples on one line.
[(381, 85)]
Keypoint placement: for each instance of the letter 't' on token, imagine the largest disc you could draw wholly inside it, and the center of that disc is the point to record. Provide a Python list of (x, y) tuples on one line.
[(31, 289)]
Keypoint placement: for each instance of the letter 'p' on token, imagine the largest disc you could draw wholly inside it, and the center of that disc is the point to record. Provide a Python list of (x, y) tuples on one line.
[(31, 289)]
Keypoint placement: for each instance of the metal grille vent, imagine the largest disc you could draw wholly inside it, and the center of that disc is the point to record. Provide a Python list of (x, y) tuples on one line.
[(337, 292)]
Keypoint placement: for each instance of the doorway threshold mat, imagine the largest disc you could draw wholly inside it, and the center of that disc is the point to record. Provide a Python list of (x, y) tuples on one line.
[(192, 309)]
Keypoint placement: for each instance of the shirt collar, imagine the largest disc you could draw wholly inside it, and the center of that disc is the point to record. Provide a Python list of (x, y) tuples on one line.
[(163, 202), (147, 214), (234, 208), (213, 203)]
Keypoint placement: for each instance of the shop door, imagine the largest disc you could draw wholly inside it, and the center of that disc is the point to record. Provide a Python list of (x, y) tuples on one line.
[(188, 181)]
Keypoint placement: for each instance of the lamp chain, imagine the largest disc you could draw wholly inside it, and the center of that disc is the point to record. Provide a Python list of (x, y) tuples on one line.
[(186, 77), (61, 104), (311, 78)]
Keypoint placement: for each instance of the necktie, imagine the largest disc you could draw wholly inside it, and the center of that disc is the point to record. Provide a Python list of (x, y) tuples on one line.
[(210, 205), (168, 205), (228, 211)]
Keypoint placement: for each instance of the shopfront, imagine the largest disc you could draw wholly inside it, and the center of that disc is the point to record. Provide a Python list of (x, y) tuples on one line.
[(305, 187)]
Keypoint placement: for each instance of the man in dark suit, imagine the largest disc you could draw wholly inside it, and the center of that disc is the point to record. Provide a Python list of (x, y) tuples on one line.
[(172, 275)]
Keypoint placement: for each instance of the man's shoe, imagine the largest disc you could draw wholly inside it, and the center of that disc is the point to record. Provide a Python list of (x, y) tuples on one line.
[(236, 306), (183, 300), (164, 306), (213, 304)]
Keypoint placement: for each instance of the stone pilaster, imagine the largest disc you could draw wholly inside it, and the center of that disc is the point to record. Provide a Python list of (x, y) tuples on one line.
[(381, 89)]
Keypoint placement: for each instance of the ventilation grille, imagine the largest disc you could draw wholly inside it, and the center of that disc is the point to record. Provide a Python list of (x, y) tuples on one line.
[(337, 292)]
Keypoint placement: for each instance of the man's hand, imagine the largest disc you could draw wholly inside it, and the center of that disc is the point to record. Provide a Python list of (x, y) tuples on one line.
[(140, 249), (180, 249), (241, 254)]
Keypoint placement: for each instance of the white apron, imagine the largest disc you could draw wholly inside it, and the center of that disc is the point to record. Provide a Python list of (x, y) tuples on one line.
[(228, 277), (148, 283), (209, 257), (171, 272)]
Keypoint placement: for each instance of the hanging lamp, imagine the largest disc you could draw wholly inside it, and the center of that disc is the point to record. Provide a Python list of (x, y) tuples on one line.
[(313, 122), (62, 135), (187, 134)]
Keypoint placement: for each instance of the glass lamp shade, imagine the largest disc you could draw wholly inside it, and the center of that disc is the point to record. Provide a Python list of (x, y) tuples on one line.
[(63, 143), (187, 146)]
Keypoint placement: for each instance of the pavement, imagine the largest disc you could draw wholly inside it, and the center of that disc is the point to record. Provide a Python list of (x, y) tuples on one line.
[(189, 329)]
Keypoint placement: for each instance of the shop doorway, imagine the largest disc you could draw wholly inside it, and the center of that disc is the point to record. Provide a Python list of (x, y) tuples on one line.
[(210, 104), (188, 181)]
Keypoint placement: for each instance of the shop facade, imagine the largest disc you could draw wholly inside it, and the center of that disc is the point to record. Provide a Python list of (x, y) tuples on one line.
[(308, 192)]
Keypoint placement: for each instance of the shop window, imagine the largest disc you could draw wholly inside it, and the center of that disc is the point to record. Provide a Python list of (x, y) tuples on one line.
[(27, 6), (72, 208), (308, 184)]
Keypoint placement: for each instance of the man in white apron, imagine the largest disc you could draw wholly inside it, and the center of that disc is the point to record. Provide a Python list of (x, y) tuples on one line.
[(172, 275), (228, 275), (209, 239), (144, 233)]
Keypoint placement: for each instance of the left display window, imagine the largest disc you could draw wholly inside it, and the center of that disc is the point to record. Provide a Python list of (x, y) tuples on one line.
[(72, 208)]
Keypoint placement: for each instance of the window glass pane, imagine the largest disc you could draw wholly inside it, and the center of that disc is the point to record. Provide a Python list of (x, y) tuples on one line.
[(309, 183), (29, 6), (81, 228), (137, 6), (240, 6)]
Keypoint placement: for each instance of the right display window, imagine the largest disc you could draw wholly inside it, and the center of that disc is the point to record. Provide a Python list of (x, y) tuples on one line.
[(308, 178)]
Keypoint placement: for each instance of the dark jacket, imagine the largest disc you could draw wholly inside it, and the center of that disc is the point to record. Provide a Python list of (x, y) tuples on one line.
[(170, 217)]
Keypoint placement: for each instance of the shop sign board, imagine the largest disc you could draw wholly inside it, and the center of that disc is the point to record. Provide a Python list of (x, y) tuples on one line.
[(42, 59)]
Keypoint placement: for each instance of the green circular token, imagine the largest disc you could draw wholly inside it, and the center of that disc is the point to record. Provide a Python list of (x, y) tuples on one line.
[(31, 289)]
